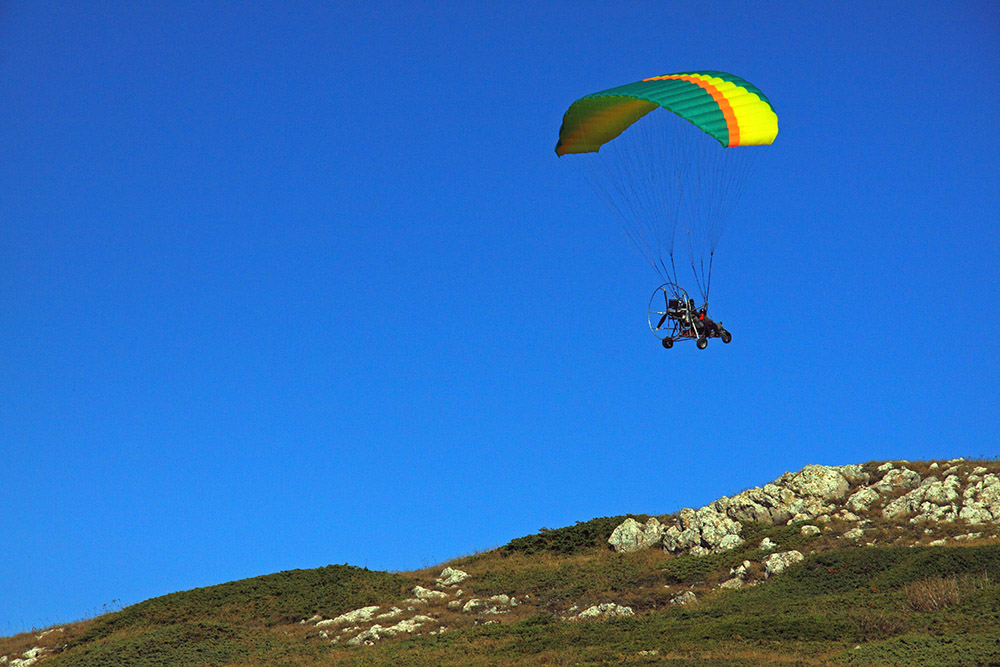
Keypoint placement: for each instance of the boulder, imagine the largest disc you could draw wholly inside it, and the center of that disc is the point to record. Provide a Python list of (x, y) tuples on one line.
[(768, 504), (729, 542), (631, 535), (779, 562), (854, 473), (898, 478), (451, 577), (862, 499), (854, 534), (422, 593), (605, 610), (369, 636), (816, 481), (685, 598), (475, 606)]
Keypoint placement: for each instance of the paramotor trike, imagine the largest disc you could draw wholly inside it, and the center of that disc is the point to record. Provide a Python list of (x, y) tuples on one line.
[(674, 317)]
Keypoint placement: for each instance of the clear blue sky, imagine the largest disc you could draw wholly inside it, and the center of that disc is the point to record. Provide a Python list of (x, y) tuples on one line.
[(298, 283)]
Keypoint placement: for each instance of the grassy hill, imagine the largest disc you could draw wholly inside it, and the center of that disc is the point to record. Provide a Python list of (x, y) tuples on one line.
[(894, 602)]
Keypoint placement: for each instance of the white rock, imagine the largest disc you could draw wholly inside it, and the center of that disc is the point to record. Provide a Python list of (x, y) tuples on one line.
[(931, 501), (809, 530), (982, 500), (605, 610), (407, 626), (700, 530), (369, 636), (854, 534), (735, 582), (729, 542), (862, 499), (357, 616), (452, 577), (474, 606), (902, 478), (28, 658), (414, 602), (768, 504), (968, 536), (779, 562), (854, 473), (631, 535), (818, 481), (428, 594), (685, 598), (392, 613), (767, 544)]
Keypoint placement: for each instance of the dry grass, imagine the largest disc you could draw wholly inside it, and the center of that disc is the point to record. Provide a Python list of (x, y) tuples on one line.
[(47, 638), (931, 594)]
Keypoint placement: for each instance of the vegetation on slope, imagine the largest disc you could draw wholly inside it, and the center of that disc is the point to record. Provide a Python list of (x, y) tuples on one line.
[(891, 603)]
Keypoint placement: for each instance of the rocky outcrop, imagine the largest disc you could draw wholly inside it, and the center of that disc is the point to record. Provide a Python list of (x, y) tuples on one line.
[(28, 658), (702, 531), (377, 632), (353, 617), (981, 499), (855, 505), (821, 494)]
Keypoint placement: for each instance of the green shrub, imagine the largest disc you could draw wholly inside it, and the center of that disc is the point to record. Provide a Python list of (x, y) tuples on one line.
[(583, 536), (285, 597), (980, 650)]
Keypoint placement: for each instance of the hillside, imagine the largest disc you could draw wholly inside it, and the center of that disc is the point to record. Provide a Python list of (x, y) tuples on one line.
[(875, 564)]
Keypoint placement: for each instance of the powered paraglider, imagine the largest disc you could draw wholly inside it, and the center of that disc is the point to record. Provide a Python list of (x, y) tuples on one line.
[(659, 156)]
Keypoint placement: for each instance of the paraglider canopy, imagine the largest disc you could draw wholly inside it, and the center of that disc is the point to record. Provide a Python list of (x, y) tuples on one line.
[(672, 154), (725, 106)]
